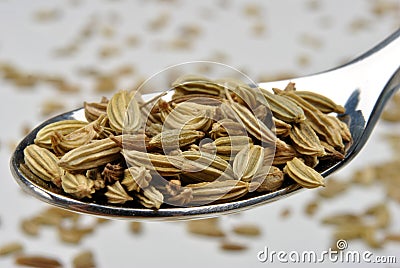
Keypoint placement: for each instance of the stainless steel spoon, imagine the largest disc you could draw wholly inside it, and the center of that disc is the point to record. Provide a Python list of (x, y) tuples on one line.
[(365, 83)]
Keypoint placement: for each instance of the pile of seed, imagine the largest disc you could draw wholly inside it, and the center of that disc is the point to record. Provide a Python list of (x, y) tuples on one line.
[(149, 153)]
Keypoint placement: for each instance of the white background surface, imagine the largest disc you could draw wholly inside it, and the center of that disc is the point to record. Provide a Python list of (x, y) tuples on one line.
[(225, 29)]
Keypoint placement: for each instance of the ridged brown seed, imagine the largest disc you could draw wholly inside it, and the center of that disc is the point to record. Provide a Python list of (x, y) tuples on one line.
[(94, 110), (36, 180), (138, 142), (77, 185), (305, 140), (193, 107), (175, 138), (200, 166), (202, 122), (321, 102), (112, 173), (153, 129), (123, 112), (10, 248), (163, 164), (253, 162), (331, 153), (150, 197), (310, 160), (225, 111), (226, 127), (92, 155), (181, 198), (304, 175), (37, 261), (242, 93), (151, 115), (62, 144), (190, 84), (201, 98), (253, 125), (230, 145), (262, 112), (281, 128), (247, 95), (187, 116), (43, 164), (283, 108), (342, 128), (319, 121), (171, 187), (95, 175), (284, 154), (217, 191), (136, 178), (43, 137), (116, 194), (272, 181)]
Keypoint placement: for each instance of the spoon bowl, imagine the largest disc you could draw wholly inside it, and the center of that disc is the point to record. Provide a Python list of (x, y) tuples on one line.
[(364, 85)]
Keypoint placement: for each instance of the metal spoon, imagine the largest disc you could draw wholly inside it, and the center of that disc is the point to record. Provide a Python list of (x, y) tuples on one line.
[(366, 82)]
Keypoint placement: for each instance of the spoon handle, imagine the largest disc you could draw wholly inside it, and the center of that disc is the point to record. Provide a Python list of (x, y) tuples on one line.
[(379, 65), (369, 73), (386, 49)]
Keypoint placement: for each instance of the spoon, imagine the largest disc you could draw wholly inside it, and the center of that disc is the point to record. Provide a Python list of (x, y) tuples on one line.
[(366, 84)]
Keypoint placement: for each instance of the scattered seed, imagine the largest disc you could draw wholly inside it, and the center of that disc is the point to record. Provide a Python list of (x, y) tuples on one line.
[(365, 176), (311, 207), (359, 24), (247, 230), (46, 15), (105, 84), (73, 235), (10, 248), (285, 213), (106, 52), (258, 28), (37, 261), (84, 259), (190, 30), (333, 188), (303, 60), (384, 7), (51, 107), (232, 246), (30, 227), (207, 227), (136, 227), (313, 5), (107, 31), (180, 43), (159, 22), (394, 237), (252, 10), (311, 41), (132, 41)]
